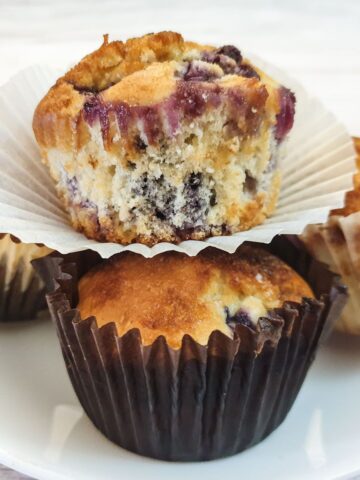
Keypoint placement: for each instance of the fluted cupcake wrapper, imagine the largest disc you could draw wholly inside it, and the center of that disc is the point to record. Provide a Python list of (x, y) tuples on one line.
[(337, 243), (197, 402), (17, 303)]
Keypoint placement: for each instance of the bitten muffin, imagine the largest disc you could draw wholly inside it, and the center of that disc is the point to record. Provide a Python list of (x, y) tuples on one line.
[(173, 294), (159, 139), (22, 292), (337, 243)]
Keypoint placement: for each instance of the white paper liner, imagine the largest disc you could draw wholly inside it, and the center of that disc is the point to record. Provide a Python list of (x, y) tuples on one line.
[(337, 243), (317, 170)]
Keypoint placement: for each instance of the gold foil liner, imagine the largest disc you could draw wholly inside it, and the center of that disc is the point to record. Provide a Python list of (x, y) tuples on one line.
[(22, 292), (199, 402)]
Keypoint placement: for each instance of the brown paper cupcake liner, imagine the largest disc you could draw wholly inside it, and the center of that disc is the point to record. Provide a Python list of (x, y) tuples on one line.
[(197, 402), (19, 302)]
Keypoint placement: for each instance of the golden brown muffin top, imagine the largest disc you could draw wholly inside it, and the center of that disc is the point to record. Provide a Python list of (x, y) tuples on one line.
[(115, 60), (142, 71), (108, 66), (173, 294)]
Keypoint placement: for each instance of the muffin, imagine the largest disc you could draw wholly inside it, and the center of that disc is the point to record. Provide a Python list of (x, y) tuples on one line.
[(160, 139), (337, 243), (22, 292), (190, 358)]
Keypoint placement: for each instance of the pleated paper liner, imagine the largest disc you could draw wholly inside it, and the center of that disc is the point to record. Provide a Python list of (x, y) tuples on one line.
[(22, 292), (197, 402), (316, 170), (337, 243)]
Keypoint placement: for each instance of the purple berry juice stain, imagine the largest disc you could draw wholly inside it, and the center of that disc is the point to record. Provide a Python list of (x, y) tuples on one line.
[(285, 118)]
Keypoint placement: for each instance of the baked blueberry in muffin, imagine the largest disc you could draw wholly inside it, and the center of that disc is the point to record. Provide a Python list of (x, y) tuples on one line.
[(173, 294), (160, 139)]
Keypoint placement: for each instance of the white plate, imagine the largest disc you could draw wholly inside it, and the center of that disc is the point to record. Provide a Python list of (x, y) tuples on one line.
[(44, 433)]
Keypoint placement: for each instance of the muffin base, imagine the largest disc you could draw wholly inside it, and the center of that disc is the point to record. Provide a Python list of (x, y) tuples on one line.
[(200, 402)]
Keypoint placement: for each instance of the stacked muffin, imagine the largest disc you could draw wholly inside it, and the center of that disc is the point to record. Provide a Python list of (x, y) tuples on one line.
[(177, 357), (158, 139)]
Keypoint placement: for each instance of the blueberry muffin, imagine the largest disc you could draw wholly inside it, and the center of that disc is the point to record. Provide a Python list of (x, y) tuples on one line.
[(194, 295), (22, 292), (337, 243), (190, 358), (160, 139)]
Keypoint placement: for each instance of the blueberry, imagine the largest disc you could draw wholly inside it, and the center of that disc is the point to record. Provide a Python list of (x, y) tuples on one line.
[(232, 52), (227, 64), (159, 214), (285, 118), (245, 70), (197, 73), (139, 143), (241, 317)]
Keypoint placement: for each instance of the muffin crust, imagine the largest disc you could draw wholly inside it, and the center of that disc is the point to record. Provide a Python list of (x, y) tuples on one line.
[(173, 294)]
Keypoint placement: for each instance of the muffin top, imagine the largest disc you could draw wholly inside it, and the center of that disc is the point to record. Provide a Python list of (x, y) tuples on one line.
[(159, 70), (173, 294)]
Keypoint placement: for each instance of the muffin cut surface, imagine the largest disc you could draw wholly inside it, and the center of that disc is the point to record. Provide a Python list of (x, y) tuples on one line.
[(158, 139), (173, 294)]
